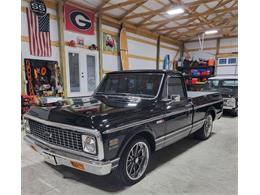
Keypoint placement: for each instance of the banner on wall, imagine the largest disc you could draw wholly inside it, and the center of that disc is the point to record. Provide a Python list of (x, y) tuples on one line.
[(79, 20), (42, 77), (39, 29)]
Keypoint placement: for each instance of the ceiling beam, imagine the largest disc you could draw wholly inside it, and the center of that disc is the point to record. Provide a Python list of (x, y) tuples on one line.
[(211, 22), (197, 32), (181, 17), (122, 17), (119, 5), (167, 7), (104, 2)]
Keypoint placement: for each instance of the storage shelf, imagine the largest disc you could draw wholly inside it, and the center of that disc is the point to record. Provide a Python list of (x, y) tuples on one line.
[(195, 67)]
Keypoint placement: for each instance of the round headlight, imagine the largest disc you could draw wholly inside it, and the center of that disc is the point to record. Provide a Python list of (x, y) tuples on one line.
[(89, 144), (26, 126), (231, 102)]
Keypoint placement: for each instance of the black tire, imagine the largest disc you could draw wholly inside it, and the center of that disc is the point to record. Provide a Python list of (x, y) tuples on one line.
[(205, 131), (127, 160)]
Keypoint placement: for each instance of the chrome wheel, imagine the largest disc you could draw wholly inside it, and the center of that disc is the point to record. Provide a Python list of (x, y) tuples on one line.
[(137, 160), (208, 125)]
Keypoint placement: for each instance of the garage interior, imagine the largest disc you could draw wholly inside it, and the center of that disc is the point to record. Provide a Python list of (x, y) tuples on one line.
[(198, 38)]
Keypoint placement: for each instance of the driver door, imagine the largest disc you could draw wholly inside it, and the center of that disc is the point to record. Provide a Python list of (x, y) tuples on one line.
[(178, 110)]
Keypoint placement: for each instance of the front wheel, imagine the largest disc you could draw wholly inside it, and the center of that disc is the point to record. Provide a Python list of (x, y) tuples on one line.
[(134, 161), (205, 132)]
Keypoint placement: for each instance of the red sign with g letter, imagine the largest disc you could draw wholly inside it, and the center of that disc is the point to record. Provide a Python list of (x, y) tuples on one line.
[(79, 20)]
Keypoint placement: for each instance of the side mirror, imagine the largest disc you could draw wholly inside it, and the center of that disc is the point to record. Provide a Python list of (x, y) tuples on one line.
[(175, 98)]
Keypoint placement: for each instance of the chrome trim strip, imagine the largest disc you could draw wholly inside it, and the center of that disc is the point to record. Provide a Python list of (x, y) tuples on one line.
[(198, 122), (144, 121), (115, 163), (178, 112), (208, 104), (83, 130), (196, 126), (172, 134), (62, 158), (228, 107), (171, 137)]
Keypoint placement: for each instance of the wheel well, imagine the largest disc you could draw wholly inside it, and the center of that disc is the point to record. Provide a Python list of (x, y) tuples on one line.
[(146, 135), (213, 114)]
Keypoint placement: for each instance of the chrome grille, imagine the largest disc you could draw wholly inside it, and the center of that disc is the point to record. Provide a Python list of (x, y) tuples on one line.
[(61, 137)]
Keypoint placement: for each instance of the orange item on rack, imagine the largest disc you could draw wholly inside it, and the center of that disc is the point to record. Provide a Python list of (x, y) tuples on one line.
[(211, 62)]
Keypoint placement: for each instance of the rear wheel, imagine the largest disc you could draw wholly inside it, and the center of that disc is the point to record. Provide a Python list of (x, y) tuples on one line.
[(205, 132), (134, 161)]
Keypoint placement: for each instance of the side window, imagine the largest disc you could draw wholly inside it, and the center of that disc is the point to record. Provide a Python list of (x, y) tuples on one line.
[(173, 86)]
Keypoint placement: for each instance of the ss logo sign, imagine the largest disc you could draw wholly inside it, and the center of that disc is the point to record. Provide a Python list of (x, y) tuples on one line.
[(38, 7)]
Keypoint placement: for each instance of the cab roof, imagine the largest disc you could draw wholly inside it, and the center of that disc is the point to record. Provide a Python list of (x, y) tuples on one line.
[(148, 71), (224, 77)]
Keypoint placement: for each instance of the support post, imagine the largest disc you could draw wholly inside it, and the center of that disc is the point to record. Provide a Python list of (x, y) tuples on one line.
[(158, 52), (218, 46), (100, 46), (62, 46)]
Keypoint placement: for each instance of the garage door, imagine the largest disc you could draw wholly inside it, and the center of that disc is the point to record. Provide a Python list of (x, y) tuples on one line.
[(227, 66)]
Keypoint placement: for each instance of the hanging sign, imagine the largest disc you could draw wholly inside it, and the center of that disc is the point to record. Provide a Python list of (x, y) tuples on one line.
[(38, 7), (79, 20)]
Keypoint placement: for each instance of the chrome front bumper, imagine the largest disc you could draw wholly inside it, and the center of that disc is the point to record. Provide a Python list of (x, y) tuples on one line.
[(58, 157), (228, 108)]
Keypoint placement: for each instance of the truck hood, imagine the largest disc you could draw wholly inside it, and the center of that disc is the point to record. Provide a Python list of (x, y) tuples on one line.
[(98, 115)]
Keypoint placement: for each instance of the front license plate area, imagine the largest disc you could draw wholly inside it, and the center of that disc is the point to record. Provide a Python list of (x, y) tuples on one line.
[(49, 158)]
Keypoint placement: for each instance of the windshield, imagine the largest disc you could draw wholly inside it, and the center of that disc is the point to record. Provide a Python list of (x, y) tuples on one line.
[(229, 84), (223, 86), (213, 84), (134, 84)]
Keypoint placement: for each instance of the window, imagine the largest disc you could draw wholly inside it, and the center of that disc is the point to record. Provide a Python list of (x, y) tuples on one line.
[(230, 83), (134, 84), (213, 83), (74, 72), (91, 72), (232, 61), (222, 61), (174, 87)]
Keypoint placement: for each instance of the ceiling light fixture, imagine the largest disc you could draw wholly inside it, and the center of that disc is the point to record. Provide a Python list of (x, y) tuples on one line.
[(175, 11), (209, 32)]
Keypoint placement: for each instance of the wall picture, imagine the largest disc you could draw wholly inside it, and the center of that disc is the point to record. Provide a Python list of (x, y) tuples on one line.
[(42, 77), (110, 42)]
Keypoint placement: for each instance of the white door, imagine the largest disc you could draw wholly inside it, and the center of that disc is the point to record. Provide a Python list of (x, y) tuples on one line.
[(82, 72)]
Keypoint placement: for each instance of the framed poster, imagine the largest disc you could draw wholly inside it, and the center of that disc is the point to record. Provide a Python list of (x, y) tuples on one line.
[(110, 43), (43, 77)]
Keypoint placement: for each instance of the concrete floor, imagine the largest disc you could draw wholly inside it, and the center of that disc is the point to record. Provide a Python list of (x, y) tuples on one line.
[(186, 167)]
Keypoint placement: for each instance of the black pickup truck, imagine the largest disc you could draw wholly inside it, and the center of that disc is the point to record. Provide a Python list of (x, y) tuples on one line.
[(130, 115)]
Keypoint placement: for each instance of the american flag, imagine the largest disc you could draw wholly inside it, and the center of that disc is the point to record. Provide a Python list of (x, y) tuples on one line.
[(39, 34)]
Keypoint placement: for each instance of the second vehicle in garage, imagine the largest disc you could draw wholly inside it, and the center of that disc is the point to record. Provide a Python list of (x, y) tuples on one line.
[(228, 87)]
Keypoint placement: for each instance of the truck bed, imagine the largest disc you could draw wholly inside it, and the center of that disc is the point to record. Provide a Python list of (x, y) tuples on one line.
[(202, 101), (195, 94), (203, 98)]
